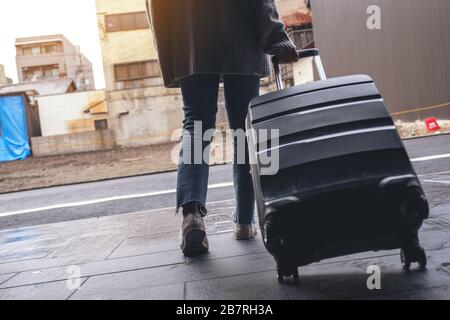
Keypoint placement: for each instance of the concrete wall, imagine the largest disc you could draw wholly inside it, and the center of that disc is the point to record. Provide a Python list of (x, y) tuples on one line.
[(303, 71), (67, 113), (408, 57), (72, 143), (151, 115)]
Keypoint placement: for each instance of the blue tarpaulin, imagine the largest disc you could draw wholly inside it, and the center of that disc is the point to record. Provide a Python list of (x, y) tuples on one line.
[(14, 142)]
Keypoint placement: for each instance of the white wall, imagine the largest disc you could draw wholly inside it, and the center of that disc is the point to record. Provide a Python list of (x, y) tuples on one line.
[(64, 114), (303, 71)]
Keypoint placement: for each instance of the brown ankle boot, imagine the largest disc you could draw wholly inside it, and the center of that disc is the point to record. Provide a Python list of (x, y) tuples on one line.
[(193, 233)]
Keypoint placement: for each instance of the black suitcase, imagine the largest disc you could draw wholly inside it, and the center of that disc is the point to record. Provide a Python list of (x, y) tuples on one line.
[(344, 183)]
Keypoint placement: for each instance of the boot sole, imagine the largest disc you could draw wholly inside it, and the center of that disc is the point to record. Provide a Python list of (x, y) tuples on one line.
[(245, 237), (194, 243)]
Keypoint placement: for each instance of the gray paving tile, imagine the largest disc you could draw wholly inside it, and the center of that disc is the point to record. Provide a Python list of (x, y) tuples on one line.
[(98, 246), (5, 277), (256, 286), (47, 291), (348, 280), (222, 246), (15, 240), (330, 281), (319, 281), (45, 263), (441, 222), (145, 262), (146, 245), (176, 274), (23, 255), (440, 293), (96, 268), (441, 257), (170, 292), (440, 210)]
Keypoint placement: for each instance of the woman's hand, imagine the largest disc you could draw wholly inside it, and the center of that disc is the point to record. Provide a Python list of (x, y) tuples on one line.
[(285, 54)]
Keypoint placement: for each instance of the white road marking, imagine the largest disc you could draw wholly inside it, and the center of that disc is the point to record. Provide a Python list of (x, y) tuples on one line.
[(97, 201), (437, 181), (433, 174), (434, 157)]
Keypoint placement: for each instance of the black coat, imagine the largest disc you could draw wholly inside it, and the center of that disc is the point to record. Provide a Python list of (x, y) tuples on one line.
[(215, 36)]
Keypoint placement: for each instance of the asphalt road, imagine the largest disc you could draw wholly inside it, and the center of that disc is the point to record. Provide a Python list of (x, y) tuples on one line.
[(430, 156)]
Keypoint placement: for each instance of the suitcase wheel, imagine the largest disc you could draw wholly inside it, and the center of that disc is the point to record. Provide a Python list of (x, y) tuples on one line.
[(413, 254), (286, 269)]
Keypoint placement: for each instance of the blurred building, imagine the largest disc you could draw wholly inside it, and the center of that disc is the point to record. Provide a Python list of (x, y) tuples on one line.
[(4, 80), (297, 19), (141, 110), (53, 57), (408, 56)]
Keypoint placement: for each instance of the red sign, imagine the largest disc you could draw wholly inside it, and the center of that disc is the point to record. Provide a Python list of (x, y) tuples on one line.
[(432, 124)]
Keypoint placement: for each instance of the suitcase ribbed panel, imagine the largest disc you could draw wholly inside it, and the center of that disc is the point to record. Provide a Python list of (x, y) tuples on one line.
[(357, 168), (312, 100), (326, 147), (335, 116), (309, 87)]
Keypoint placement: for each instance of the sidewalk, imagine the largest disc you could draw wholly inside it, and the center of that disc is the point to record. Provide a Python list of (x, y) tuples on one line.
[(137, 256)]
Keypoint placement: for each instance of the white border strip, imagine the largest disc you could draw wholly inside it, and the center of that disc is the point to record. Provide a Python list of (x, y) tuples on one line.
[(437, 181), (428, 158), (332, 136), (96, 201), (321, 109)]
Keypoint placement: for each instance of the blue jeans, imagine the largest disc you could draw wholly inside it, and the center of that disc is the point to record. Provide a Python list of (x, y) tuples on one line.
[(200, 96)]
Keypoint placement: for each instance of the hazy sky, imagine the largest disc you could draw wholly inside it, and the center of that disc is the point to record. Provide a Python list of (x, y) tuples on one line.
[(76, 19)]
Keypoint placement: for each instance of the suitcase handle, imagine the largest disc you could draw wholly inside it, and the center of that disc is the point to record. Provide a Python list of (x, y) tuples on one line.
[(302, 54)]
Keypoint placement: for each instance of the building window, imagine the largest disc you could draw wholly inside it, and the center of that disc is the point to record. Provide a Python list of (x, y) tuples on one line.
[(126, 21), (136, 70), (38, 49), (41, 72), (35, 51), (52, 48), (101, 124), (302, 38)]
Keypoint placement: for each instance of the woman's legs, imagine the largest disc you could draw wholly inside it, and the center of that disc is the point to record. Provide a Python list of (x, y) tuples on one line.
[(200, 95), (239, 91)]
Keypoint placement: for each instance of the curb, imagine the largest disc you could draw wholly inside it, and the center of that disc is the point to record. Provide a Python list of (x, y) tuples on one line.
[(87, 182)]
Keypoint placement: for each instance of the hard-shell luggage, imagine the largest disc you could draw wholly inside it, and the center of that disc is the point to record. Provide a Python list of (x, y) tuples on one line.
[(343, 182)]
